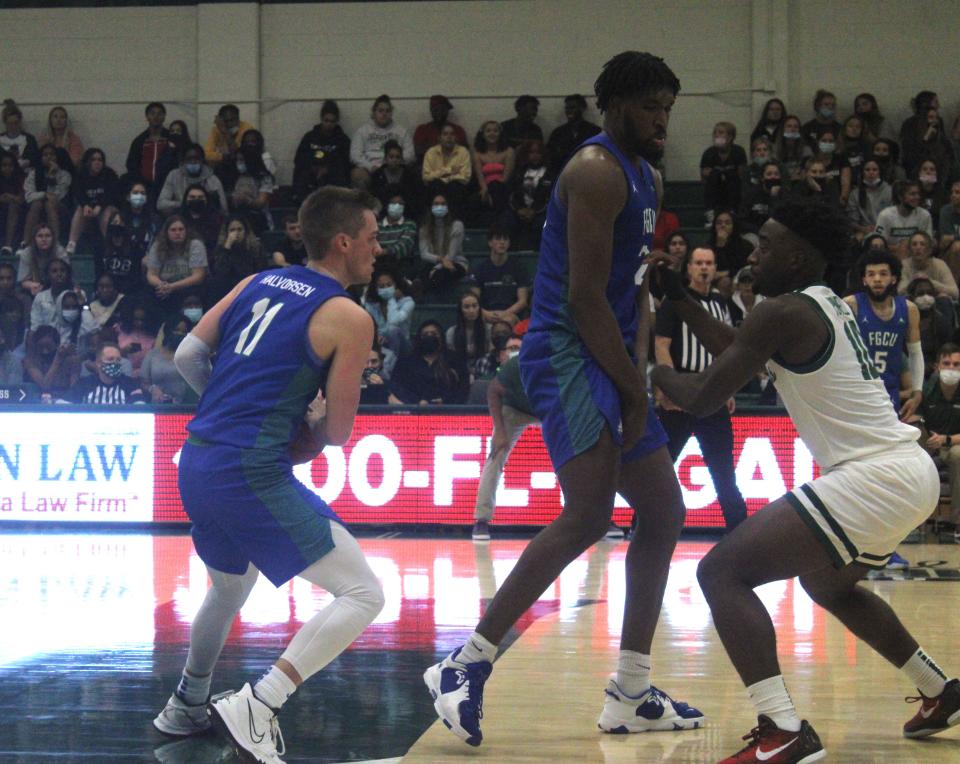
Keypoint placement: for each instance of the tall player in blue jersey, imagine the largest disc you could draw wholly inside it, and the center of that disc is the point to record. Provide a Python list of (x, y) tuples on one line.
[(279, 338), (889, 324), (583, 365)]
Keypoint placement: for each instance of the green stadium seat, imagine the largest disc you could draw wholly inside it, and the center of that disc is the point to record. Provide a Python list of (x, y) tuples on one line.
[(443, 313), (271, 240), (84, 272)]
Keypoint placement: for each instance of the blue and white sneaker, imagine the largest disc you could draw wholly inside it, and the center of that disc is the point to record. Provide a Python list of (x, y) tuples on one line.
[(897, 562), (457, 690), (654, 710)]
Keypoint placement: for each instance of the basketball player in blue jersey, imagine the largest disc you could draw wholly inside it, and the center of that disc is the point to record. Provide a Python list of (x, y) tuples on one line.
[(888, 324), (876, 483), (278, 339), (583, 364)]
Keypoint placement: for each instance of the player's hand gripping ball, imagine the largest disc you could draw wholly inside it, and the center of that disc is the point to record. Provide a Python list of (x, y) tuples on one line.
[(305, 446)]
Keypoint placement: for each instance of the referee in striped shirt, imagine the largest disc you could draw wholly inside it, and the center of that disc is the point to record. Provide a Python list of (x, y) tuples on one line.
[(677, 346)]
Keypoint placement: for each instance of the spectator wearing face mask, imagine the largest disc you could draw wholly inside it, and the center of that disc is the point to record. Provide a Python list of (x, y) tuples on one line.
[(74, 322), (121, 257), (441, 246), (429, 374), (390, 307), (793, 151), (398, 235), (46, 305), (853, 146), (193, 308), (886, 153), (933, 192), (225, 135), (192, 170), (160, 380), (139, 217), (824, 119), (761, 154), (202, 217), (760, 200), (941, 421), (723, 169), (903, 218), (870, 195), (937, 320), (109, 386), (487, 365), (836, 166)]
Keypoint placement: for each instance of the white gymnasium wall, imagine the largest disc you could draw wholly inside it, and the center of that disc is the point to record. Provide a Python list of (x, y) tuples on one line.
[(278, 62)]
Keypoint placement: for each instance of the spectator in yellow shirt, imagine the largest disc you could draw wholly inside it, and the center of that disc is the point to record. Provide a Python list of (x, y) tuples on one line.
[(225, 135), (447, 168)]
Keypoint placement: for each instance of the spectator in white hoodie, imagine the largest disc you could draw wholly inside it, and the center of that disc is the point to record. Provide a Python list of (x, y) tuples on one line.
[(366, 148)]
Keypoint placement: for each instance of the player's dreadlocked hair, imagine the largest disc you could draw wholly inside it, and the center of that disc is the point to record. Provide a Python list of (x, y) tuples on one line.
[(823, 226), (632, 73)]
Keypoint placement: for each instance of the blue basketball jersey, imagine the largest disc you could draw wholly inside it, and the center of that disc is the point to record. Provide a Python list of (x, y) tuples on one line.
[(885, 341), (632, 241), (265, 373)]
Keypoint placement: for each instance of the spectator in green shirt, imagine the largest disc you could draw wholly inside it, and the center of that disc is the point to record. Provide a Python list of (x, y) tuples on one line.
[(398, 235)]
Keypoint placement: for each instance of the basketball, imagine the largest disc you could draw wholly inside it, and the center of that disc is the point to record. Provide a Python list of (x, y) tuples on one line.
[(305, 447)]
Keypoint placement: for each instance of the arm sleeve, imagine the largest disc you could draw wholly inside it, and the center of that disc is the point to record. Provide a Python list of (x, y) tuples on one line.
[(915, 355), (192, 360)]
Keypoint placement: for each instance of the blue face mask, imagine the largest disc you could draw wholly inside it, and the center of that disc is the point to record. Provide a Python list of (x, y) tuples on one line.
[(387, 293), (395, 210), (194, 314), (241, 167), (138, 200), (826, 113), (439, 210), (193, 168)]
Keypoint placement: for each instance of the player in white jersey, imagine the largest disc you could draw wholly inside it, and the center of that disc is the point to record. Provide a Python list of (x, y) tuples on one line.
[(876, 482)]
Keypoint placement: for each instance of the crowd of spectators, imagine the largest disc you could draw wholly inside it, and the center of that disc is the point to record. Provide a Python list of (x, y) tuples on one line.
[(176, 226)]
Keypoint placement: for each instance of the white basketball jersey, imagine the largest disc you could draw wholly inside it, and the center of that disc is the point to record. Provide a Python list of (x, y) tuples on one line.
[(837, 401)]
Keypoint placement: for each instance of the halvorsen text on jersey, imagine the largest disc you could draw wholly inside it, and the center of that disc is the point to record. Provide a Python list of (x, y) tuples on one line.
[(290, 285)]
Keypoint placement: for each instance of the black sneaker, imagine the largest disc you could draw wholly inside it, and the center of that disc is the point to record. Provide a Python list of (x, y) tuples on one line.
[(481, 531)]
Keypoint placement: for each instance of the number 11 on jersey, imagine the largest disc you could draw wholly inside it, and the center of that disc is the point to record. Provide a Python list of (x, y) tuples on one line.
[(259, 313)]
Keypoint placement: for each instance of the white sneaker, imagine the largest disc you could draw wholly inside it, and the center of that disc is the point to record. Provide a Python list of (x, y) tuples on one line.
[(653, 711), (250, 723), (179, 719)]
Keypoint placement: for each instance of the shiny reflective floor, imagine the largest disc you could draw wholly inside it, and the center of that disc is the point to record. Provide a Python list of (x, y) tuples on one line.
[(94, 628)]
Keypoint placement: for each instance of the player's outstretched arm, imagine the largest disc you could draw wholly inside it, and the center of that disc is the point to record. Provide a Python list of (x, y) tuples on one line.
[(759, 337), (343, 332)]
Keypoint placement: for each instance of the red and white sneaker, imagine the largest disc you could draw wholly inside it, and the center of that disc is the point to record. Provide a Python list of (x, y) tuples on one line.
[(771, 745), (935, 714)]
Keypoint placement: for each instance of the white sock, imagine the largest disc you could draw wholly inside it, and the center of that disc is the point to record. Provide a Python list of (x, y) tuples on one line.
[(477, 649), (925, 674), (633, 673), (771, 698), (274, 687), (194, 690)]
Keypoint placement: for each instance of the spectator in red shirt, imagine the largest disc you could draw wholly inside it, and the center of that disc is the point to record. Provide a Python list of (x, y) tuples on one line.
[(667, 225), (427, 135), (146, 157)]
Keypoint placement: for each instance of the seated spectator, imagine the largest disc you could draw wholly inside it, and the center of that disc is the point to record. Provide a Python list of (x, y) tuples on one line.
[(723, 169), (566, 139), (390, 307), (374, 390), (46, 191), (792, 150), (135, 333), (925, 138), (469, 338), (238, 255), (35, 261), (427, 135), (248, 182), (193, 308), (192, 170), (180, 136), (176, 264), (523, 127), (870, 195), (837, 170), (59, 133), (446, 168), (493, 164), (941, 425), (667, 224), (50, 365), (950, 230), (874, 125), (503, 284), (202, 216), (152, 153), (11, 367), (103, 307), (394, 174), (815, 183), (922, 263), (398, 235), (8, 286), (486, 367), (13, 140), (761, 154), (13, 326), (759, 201), (529, 196), (109, 386), (367, 146), (291, 250), (122, 257), (159, 378), (730, 248), (429, 374), (937, 320), (824, 120), (933, 193), (677, 248), (744, 298), (95, 192), (770, 125), (46, 305), (904, 218), (225, 135), (853, 146), (253, 141), (12, 200), (325, 141), (886, 153), (441, 246), (73, 320)]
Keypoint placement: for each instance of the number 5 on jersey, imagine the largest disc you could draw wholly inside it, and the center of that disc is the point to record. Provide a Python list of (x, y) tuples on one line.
[(264, 317)]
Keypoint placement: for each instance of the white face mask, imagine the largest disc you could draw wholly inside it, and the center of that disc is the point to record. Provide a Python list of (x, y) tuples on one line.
[(950, 377), (925, 301)]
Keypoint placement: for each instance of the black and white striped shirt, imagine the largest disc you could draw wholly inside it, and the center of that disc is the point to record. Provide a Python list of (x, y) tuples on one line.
[(687, 352), (92, 389)]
